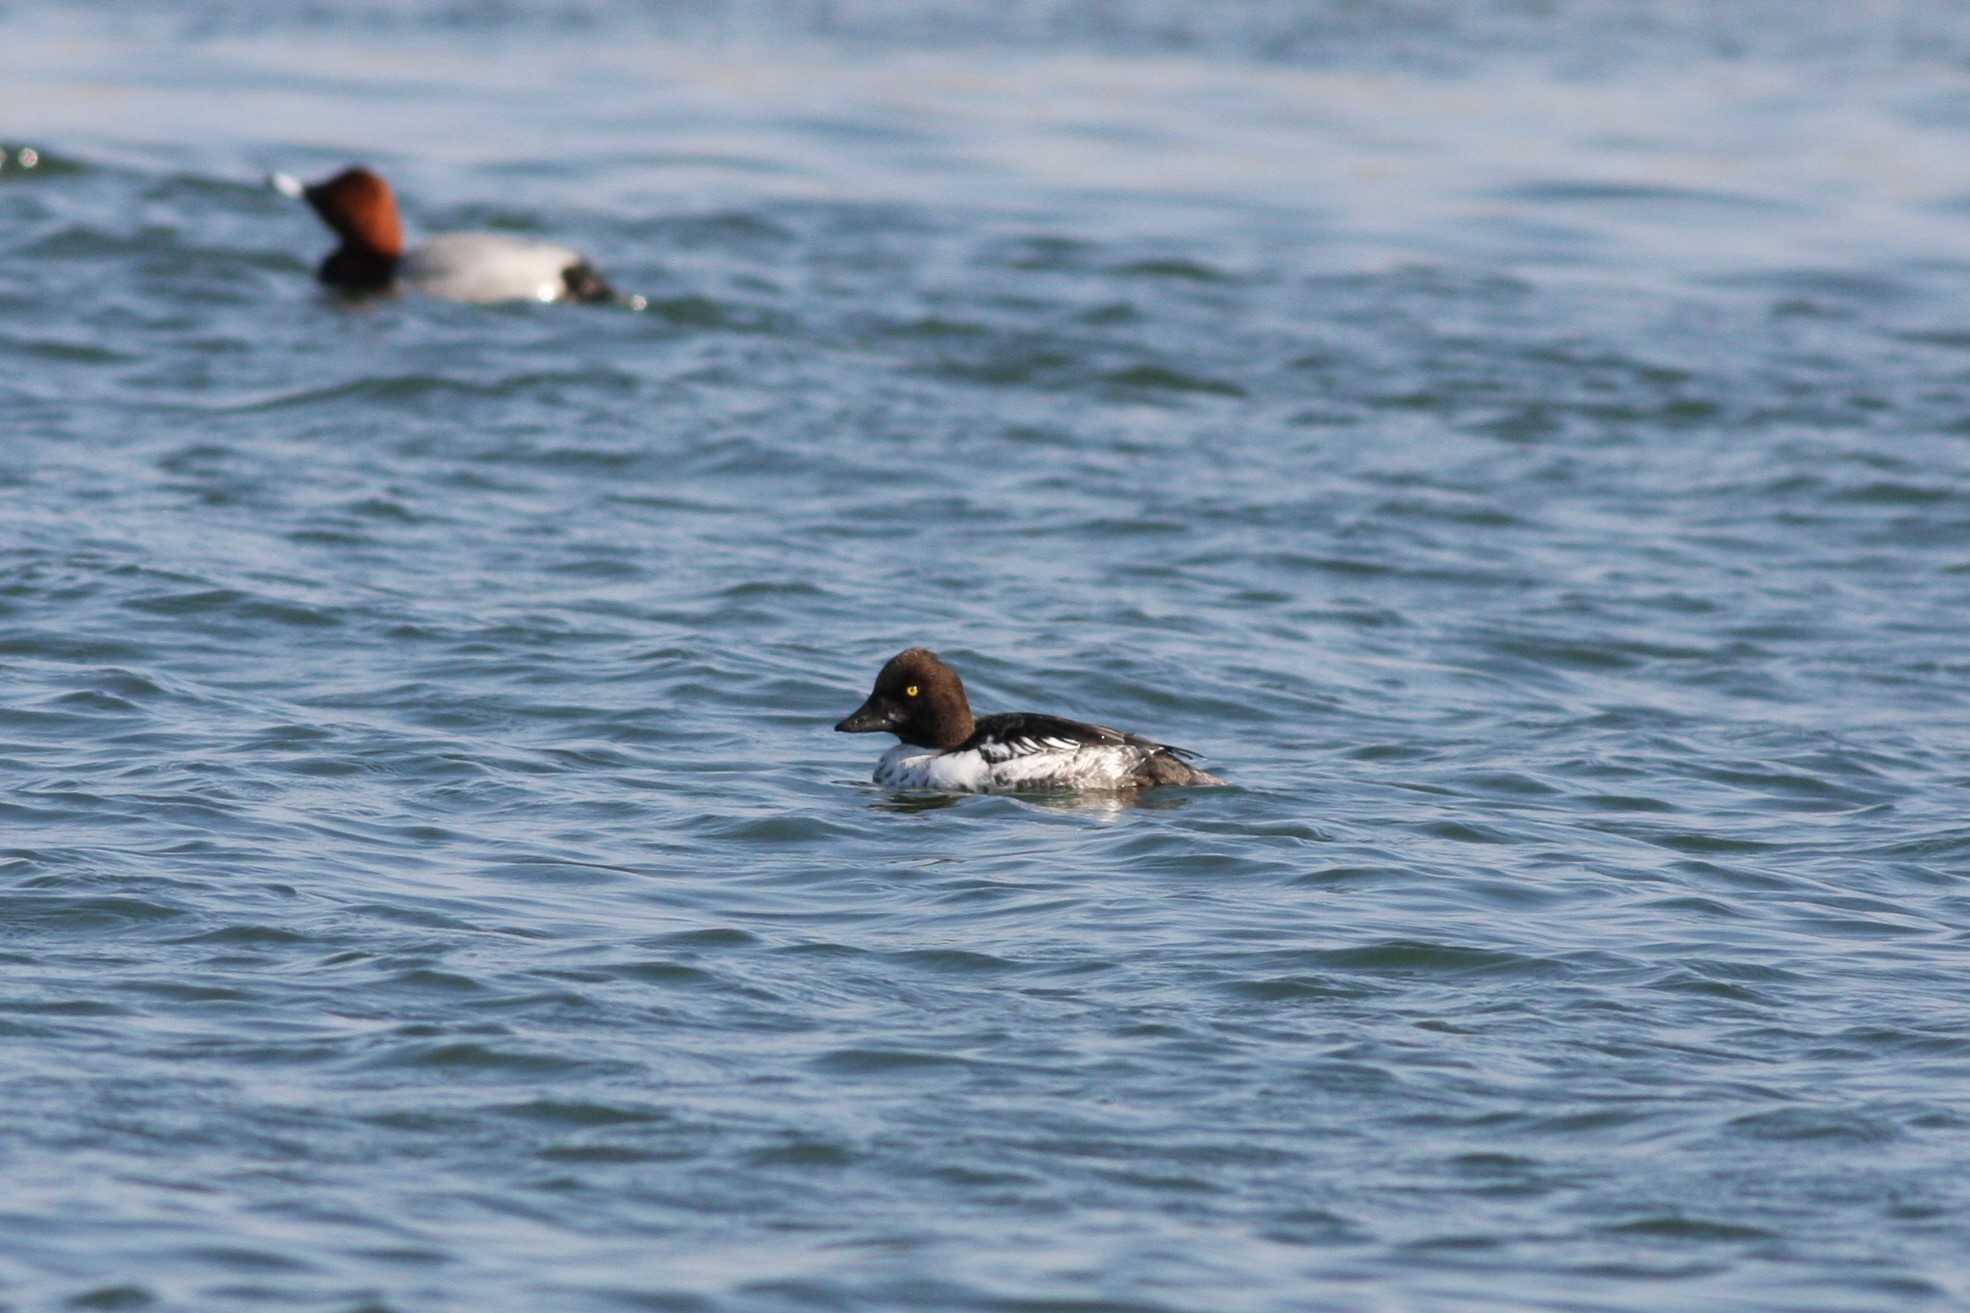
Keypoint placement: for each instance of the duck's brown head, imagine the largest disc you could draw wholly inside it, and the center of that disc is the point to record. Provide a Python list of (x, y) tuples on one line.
[(917, 698)]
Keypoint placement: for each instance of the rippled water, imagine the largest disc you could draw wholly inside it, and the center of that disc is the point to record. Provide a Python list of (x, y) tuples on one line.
[(1528, 452)]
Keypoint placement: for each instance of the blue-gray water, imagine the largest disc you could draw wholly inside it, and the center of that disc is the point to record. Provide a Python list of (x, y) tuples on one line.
[(1526, 448)]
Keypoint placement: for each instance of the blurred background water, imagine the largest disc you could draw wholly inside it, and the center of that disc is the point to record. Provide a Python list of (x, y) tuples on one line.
[(1526, 446)]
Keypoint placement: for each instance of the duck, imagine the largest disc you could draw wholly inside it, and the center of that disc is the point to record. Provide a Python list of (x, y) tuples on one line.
[(945, 749), (359, 207)]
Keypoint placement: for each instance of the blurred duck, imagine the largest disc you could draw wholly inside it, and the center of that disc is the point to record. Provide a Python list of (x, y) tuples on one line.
[(357, 204)]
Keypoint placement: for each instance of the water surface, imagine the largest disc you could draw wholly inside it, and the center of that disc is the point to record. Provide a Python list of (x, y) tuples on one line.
[(1528, 455)]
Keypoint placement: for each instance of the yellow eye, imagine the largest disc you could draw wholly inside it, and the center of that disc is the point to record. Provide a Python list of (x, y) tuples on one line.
[(910, 692)]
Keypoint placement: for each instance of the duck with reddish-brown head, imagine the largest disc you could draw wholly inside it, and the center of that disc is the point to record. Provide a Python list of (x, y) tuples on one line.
[(360, 209)]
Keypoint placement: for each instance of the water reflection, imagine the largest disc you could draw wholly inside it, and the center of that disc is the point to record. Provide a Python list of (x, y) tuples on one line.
[(1088, 804)]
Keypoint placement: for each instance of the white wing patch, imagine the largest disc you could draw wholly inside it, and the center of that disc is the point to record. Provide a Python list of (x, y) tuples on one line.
[(1013, 749)]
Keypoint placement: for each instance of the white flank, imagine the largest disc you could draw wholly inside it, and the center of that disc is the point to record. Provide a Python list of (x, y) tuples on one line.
[(487, 267), (1041, 769)]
